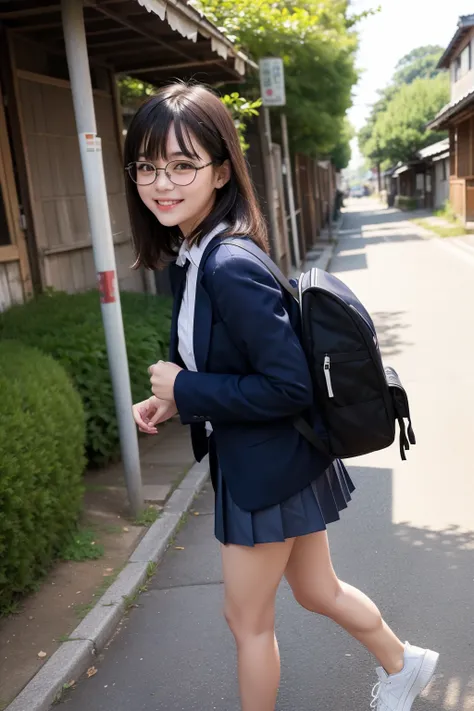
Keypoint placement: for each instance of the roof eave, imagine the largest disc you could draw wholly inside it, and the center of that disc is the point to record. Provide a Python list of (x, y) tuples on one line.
[(464, 23), (442, 120)]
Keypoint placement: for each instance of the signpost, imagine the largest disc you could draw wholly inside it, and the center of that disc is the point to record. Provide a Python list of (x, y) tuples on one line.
[(272, 86), (272, 81)]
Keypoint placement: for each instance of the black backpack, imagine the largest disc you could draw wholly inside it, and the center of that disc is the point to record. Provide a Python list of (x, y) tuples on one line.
[(360, 400)]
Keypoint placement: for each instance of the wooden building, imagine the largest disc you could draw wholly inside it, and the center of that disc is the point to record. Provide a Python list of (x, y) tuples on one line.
[(423, 182), (458, 118), (44, 228)]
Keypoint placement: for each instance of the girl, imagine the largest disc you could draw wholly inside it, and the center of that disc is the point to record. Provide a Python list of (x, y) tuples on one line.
[(238, 375)]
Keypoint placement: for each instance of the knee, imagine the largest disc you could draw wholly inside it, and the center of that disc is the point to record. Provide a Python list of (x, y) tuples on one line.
[(244, 623), (323, 602)]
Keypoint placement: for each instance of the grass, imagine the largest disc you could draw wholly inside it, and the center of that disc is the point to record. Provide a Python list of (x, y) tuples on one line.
[(13, 608), (82, 546), (82, 609), (130, 600), (147, 517), (442, 231)]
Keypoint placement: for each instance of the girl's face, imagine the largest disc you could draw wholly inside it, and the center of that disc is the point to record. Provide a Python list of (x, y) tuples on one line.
[(183, 205)]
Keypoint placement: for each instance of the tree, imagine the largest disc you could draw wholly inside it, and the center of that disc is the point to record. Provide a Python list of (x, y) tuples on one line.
[(317, 42), (400, 131), (341, 154), (133, 92), (420, 63), (393, 128)]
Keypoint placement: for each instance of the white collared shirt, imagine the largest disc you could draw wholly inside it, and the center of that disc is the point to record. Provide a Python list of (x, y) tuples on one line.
[(186, 313)]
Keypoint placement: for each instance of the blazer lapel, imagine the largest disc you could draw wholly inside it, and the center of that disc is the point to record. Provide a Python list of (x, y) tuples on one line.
[(202, 312), (202, 325)]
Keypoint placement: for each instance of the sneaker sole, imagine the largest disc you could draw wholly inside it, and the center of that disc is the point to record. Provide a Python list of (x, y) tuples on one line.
[(422, 679)]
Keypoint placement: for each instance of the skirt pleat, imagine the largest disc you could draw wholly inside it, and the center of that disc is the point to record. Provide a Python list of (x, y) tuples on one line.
[(307, 511)]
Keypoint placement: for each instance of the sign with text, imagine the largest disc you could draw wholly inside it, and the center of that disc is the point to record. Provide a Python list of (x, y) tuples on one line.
[(272, 81)]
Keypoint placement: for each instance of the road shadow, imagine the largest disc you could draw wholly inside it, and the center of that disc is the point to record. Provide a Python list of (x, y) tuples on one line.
[(175, 652), (390, 326), (384, 215), (420, 578), (348, 262)]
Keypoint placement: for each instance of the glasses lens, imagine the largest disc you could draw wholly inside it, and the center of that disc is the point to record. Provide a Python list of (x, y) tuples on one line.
[(181, 172), (142, 173)]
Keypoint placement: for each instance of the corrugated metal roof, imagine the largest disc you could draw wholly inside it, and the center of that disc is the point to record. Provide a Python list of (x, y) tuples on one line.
[(441, 156), (434, 149), (400, 170)]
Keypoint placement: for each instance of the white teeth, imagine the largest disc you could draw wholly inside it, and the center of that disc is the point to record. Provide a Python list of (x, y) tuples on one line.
[(168, 202)]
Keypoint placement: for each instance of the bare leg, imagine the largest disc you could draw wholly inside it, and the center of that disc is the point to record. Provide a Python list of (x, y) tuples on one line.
[(317, 588), (251, 579)]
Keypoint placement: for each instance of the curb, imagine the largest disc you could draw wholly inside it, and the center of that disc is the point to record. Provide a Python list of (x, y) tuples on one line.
[(72, 659)]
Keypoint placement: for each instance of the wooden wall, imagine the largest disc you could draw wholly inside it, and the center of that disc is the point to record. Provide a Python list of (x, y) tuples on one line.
[(312, 184), (55, 183), (11, 289)]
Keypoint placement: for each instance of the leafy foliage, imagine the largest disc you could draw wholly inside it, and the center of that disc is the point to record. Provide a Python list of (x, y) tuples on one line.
[(420, 63), (400, 131), (317, 43), (134, 92), (241, 110), (395, 129), (42, 437), (69, 327), (341, 153)]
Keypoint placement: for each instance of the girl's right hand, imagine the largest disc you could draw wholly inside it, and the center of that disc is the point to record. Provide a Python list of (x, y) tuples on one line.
[(148, 413)]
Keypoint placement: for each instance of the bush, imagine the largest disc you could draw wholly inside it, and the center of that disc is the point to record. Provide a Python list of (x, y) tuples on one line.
[(402, 202), (69, 327), (42, 438)]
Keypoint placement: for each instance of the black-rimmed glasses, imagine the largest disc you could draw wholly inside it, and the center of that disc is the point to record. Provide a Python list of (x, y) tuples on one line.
[(179, 172)]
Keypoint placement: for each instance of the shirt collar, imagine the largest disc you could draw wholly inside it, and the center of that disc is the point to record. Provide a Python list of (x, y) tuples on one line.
[(195, 253)]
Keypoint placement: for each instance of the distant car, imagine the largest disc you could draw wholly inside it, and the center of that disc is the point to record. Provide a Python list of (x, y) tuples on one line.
[(357, 192)]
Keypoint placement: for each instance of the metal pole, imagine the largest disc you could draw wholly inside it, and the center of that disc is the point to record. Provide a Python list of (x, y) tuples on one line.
[(289, 185), (269, 172), (102, 241)]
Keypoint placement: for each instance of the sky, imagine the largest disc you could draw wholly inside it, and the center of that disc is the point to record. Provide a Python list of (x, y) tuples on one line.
[(399, 27)]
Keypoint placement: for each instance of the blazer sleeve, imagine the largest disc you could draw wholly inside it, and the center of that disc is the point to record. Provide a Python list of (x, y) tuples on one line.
[(250, 303)]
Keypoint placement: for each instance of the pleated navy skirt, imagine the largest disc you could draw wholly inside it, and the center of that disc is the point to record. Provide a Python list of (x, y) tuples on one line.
[(307, 511)]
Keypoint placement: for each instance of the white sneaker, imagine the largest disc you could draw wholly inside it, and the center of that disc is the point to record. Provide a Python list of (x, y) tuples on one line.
[(397, 692)]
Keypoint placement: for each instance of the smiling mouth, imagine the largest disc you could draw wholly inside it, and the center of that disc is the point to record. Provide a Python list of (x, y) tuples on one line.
[(167, 203)]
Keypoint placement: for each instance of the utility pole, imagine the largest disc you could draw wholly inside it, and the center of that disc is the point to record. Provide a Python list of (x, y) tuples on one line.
[(289, 186), (102, 241), (272, 85), (269, 173)]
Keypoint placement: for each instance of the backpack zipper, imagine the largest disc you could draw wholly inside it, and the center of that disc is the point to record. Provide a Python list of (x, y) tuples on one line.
[(327, 375)]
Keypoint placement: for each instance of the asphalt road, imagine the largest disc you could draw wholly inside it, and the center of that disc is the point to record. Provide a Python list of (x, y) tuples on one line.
[(407, 538)]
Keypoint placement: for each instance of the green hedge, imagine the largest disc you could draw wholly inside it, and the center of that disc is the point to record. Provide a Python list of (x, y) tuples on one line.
[(42, 438), (69, 327), (402, 202)]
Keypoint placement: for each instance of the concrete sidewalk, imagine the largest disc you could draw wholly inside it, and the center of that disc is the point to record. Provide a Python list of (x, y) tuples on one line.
[(407, 539)]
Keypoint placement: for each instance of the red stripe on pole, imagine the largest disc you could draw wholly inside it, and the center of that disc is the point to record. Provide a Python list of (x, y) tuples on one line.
[(107, 287)]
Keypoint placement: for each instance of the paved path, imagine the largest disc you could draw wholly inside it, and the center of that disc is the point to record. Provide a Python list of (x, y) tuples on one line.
[(407, 539)]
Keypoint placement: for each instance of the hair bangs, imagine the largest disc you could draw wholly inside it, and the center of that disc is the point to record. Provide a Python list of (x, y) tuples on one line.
[(201, 122), (164, 116)]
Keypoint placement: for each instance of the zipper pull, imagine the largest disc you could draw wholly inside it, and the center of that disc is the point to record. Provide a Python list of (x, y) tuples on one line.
[(327, 375)]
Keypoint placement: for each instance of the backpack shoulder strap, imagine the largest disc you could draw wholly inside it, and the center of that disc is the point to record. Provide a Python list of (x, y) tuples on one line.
[(300, 423), (252, 248)]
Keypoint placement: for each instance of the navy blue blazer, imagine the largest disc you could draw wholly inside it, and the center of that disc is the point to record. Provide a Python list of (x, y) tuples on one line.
[(252, 378)]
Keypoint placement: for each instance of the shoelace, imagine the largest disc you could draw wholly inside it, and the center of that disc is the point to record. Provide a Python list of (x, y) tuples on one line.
[(376, 691)]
